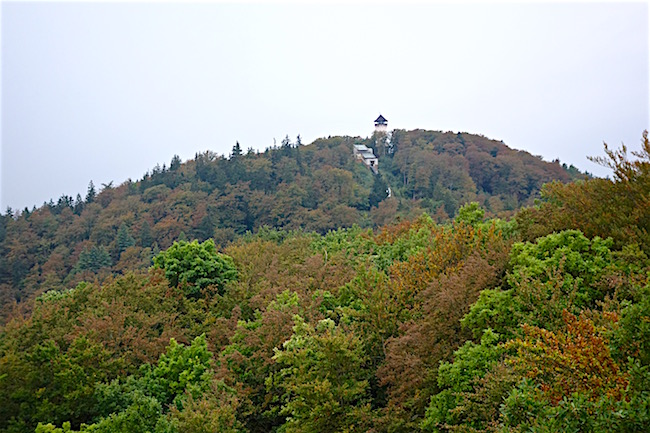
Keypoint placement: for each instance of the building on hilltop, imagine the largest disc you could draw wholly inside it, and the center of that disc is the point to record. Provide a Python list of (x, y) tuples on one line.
[(381, 124), (366, 155), (382, 137)]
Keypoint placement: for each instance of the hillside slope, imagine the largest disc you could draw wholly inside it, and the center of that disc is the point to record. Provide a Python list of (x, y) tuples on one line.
[(316, 187), (540, 323)]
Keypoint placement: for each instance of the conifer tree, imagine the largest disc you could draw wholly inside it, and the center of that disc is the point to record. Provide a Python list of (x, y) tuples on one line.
[(124, 238), (146, 237), (78, 205), (90, 196), (175, 163), (236, 150)]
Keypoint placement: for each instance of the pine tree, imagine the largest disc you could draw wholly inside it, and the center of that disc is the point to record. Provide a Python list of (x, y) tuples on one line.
[(235, 168), (124, 238), (93, 259), (175, 163), (236, 150), (298, 156), (90, 196), (146, 238), (78, 205)]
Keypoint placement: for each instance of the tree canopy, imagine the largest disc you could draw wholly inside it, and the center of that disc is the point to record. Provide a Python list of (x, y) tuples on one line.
[(535, 323), (195, 266), (316, 187)]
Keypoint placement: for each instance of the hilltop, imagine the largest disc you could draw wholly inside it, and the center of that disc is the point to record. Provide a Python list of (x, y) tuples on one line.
[(314, 188)]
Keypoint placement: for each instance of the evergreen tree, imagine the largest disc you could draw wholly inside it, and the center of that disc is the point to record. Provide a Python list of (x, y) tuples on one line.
[(90, 196), (124, 238), (146, 237), (286, 146), (63, 202), (298, 156), (236, 150), (235, 168), (175, 164), (93, 259), (78, 205)]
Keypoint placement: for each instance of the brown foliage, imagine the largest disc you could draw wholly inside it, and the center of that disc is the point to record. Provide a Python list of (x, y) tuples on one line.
[(574, 359), (267, 269), (448, 248), (133, 318), (412, 358)]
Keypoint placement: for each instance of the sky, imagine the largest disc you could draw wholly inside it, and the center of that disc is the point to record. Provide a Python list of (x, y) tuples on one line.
[(105, 91)]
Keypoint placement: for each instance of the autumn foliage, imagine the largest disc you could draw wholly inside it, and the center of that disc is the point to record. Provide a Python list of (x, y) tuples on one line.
[(576, 359), (539, 323)]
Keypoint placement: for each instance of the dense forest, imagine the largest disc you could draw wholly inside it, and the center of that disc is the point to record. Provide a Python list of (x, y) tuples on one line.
[(314, 188), (465, 306)]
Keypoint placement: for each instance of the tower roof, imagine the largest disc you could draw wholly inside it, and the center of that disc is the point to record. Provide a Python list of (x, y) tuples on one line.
[(381, 120)]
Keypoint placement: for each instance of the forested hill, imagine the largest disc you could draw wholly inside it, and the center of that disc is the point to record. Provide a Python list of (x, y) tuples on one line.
[(316, 187), (538, 323)]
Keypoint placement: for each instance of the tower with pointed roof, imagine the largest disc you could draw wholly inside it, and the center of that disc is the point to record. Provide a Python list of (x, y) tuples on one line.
[(381, 124)]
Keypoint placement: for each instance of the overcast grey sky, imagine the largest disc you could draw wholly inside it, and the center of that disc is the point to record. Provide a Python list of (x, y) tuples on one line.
[(105, 91)]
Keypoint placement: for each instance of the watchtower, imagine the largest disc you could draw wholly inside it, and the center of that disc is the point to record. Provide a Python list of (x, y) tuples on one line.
[(381, 124)]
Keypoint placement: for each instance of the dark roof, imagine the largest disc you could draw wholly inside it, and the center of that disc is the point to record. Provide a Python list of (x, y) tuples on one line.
[(381, 119)]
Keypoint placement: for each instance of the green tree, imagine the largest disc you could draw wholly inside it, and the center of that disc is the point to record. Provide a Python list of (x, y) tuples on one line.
[(325, 382), (49, 383), (236, 150), (470, 362), (91, 194), (379, 191), (470, 213), (178, 370), (124, 238), (141, 403), (175, 163), (235, 168), (194, 267), (146, 237), (93, 259), (559, 271), (301, 168), (144, 414), (78, 205)]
